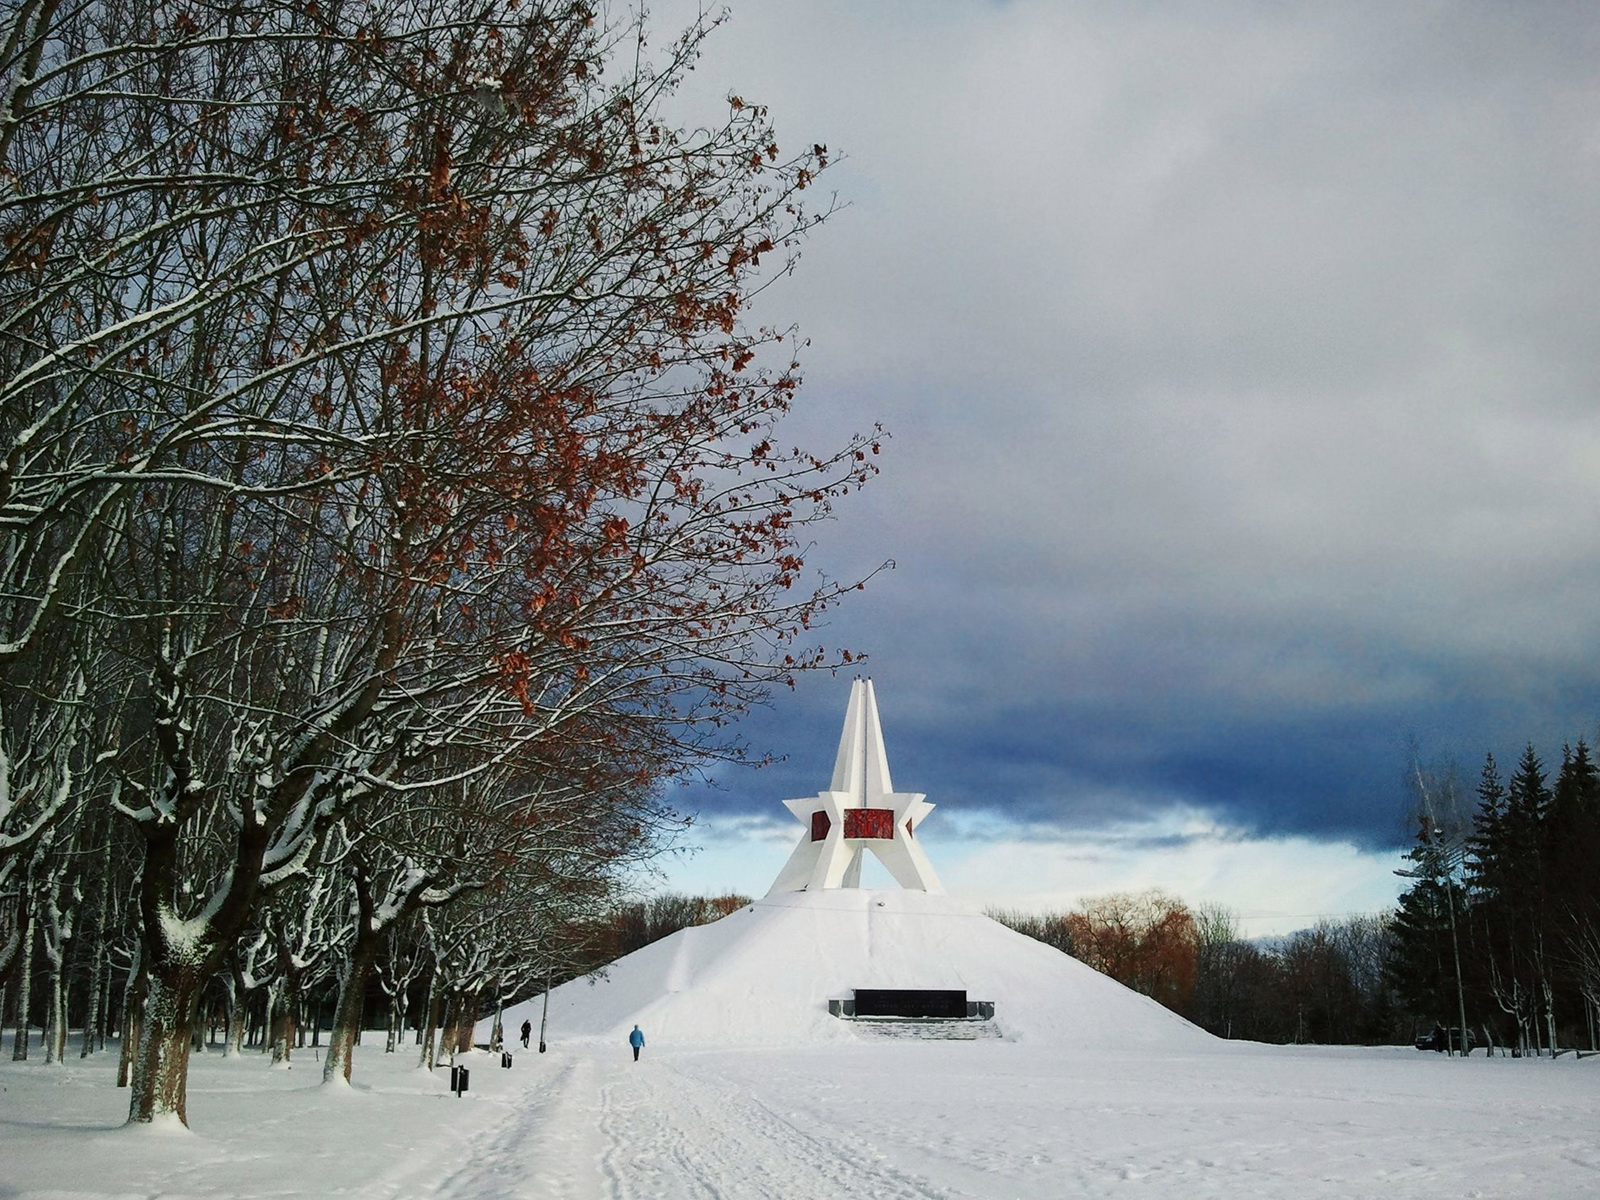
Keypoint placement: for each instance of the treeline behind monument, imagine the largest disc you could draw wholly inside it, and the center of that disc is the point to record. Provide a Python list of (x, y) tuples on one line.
[(1498, 930), (1323, 984)]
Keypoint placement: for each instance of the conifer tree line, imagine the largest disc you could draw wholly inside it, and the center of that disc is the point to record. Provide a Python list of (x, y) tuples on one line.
[(392, 499), (1501, 928)]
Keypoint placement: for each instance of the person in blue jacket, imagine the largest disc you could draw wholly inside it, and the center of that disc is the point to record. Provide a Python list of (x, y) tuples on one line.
[(636, 1040)]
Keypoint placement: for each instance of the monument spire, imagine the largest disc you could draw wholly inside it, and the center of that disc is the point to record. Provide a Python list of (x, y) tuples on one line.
[(859, 811)]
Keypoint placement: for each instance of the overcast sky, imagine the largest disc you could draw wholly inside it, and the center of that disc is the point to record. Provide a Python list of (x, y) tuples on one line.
[(1242, 367)]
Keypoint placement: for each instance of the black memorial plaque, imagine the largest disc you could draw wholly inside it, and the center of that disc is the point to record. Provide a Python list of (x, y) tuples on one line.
[(947, 1003)]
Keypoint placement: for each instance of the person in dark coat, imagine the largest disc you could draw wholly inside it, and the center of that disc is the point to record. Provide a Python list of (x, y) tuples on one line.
[(636, 1040), (527, 1028)]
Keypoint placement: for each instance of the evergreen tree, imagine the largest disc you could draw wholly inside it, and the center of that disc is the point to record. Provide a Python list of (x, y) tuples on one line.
[(1529, 925), (1572, 847), (1569, 842), (1522, 979), (1420, 965), (1527, 801), (1484, 875)]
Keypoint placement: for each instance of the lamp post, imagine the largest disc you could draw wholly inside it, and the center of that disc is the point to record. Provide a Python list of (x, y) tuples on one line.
[(544, 1020)]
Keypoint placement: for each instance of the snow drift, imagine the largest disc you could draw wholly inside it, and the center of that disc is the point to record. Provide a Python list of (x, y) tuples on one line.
[(764, 975)]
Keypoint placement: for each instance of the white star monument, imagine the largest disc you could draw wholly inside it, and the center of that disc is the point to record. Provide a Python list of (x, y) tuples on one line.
[(859, 811)]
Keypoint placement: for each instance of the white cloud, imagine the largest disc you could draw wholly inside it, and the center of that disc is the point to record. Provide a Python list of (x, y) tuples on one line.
[(1275, 885), (1239, 361)]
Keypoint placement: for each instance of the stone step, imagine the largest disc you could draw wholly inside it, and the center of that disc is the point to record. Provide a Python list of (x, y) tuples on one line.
[(921, 1030)]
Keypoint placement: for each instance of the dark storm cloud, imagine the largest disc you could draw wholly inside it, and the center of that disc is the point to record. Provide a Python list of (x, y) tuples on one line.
[(1242, 369)]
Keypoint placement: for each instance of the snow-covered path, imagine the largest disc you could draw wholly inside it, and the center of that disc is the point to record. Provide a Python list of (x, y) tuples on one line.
[(607, 1127), (669, 1134)]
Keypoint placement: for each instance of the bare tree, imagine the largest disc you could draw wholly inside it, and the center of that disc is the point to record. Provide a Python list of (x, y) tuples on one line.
[(1220, 981), (248, 971), (388, 369), (306, 926)]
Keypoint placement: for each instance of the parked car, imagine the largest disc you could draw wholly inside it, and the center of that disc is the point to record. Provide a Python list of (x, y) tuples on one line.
[(1441, 1039)]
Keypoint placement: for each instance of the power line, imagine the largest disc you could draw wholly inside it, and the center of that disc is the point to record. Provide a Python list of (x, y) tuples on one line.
[(1377, 912)]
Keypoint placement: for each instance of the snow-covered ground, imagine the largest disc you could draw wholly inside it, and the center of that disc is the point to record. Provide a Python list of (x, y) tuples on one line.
[(748, 1088), (858, 1118)]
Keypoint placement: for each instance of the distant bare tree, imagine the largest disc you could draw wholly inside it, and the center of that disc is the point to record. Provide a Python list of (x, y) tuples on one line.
[(1051, 928), (1219, 968), (1145, 940)]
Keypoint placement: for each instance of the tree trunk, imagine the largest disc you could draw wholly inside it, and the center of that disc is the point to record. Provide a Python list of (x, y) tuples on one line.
[(396, 1023), (283, 1023), (347, 1017), (238, 1018), (179, 959), (10, 945), (97, 965), (55, 1035), (428, 1022), (161, 1070), (103, 1030), (132, 1030), (1550, 1017), (466, 1019), (237, 1005), (19, 1046), (91, 1019), (447, 1027), (132, 1023)]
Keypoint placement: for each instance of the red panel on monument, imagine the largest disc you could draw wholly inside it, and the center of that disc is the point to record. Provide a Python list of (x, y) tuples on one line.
[(869, 823), (819, 825)]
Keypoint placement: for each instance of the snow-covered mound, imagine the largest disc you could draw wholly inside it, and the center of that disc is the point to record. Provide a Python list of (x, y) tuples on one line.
[(765, 974)]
